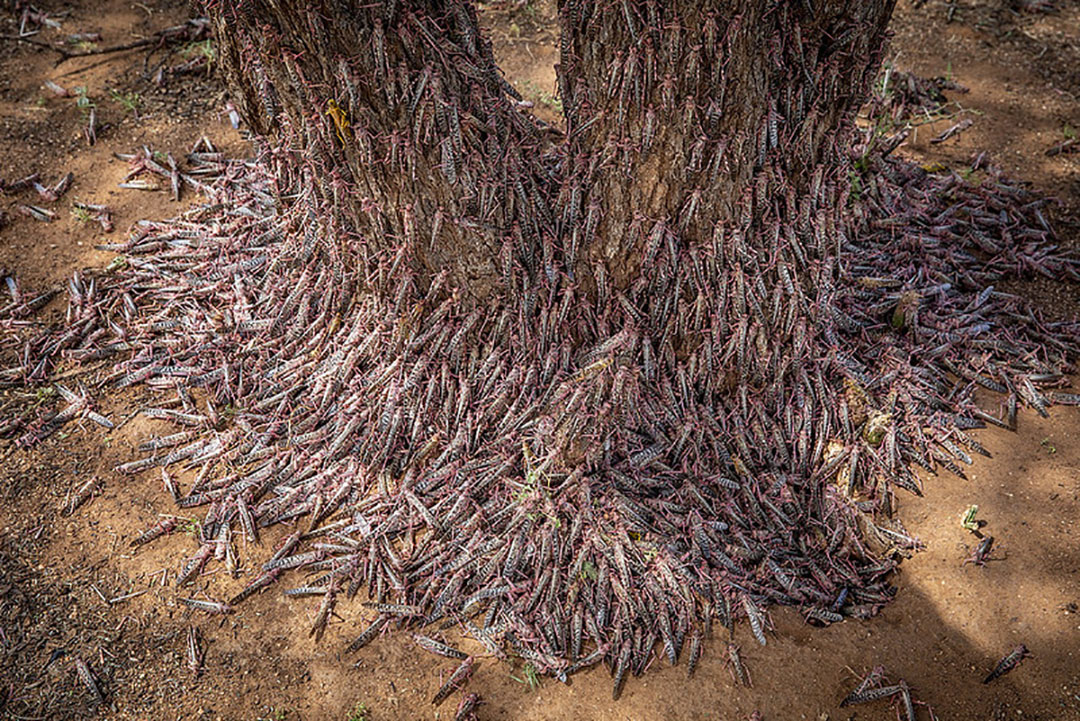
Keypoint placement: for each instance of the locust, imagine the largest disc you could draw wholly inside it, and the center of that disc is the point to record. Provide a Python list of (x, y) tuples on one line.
[(981, 554), (318, 627), (953, 130), (83, 494), (455, 680), (438, 647), (194, 652), (631, 423), (871, 680), (211, 607), (368, 635), (86, 676), (742, 676), (161, 528), (43, 215), (1008, 663), (466, 710)]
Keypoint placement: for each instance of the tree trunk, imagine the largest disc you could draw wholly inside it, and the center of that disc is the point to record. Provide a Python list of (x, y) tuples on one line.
[(690, 222), (403, 123), (569, 328), (676, 116), (691, 121)]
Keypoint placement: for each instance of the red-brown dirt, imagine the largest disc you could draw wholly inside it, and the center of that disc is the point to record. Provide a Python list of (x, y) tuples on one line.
[(950, 622)]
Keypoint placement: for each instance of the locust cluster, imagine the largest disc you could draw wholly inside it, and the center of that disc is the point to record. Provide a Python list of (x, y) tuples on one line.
[(603, 432)]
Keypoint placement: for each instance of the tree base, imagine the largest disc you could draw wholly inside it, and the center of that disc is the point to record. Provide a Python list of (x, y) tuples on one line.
[(562, 492)]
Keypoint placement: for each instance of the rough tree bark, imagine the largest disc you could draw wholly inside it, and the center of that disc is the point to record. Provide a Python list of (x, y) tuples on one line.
[(676, 114), (403, 121), (692, 119)]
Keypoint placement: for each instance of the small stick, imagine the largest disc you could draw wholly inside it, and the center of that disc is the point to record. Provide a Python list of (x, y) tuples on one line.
[(118, 599), (100, 594)]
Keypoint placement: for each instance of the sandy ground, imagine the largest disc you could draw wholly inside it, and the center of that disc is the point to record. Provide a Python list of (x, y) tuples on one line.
[(61, 575)]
